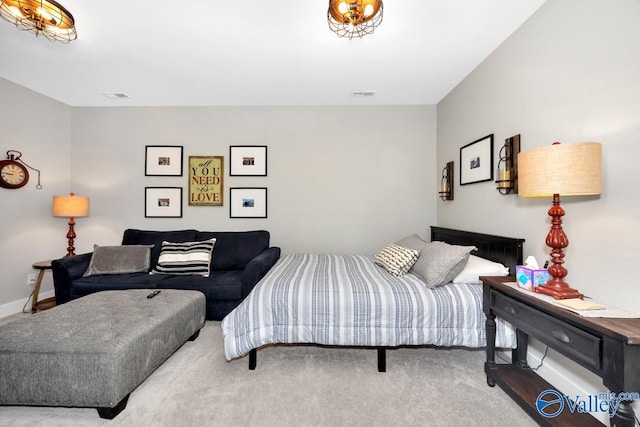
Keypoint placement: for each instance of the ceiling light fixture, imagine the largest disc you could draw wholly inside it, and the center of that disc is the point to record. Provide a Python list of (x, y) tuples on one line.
[(41, 17), (350, 18)]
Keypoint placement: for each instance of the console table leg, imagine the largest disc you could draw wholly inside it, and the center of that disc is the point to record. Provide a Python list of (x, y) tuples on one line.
[(519, 354), (490, 326), (624, 416)]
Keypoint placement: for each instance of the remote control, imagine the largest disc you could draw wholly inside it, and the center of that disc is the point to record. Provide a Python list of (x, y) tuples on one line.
[(153, 294)]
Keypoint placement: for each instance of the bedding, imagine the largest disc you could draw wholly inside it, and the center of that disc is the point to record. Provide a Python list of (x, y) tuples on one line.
[(351, 301)]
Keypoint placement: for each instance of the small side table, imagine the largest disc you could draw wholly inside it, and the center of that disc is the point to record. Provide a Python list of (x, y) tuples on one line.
[(46, 303)]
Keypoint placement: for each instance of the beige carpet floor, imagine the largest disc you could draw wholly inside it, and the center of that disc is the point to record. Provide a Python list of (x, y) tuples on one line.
[(301, 386)]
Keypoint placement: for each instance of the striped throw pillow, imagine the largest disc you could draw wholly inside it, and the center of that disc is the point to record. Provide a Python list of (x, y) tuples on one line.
[(185, 258), (396, 259)]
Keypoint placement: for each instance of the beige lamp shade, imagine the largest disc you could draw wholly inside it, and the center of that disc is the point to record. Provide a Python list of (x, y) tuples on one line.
[(564, 169), (70, 206)]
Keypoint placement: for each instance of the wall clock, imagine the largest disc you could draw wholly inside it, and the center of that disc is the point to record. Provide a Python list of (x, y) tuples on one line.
[(14, 173)]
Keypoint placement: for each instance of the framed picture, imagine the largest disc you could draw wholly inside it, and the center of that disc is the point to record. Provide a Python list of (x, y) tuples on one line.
[(163, 202), (206, 180), (248, 160), (476, 161), (163, 160), (248, 202)]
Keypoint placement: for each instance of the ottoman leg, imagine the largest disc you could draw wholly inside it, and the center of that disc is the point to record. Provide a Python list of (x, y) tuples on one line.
[(111, 413), (194, 336)]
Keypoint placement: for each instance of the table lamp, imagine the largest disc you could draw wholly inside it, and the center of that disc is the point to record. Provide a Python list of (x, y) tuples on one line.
[(552, 171), (71, 207)]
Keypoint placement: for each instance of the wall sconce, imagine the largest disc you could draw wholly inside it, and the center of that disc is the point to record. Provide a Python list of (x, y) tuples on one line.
[(507, 182), (446, 182)]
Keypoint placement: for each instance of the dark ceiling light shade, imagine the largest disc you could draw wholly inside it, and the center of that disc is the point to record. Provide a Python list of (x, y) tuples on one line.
[(354, 18), (41, 17)]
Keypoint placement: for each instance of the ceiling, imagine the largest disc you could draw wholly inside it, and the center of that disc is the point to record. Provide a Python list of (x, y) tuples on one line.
[(257, 52)]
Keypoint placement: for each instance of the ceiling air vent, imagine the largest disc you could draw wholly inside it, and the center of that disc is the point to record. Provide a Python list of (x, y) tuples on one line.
[(116, 95), (363, 93)]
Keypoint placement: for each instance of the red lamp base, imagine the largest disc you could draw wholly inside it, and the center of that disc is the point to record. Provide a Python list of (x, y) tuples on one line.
[(557, 241), (559, 292)]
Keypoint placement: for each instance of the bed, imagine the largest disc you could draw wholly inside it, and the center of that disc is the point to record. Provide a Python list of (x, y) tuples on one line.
[(349, 300)]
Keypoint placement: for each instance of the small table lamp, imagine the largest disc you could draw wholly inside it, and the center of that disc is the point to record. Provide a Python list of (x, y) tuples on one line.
[(71, 207), (551, 171)]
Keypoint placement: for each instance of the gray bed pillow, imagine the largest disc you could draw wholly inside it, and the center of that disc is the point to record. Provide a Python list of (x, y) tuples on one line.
[(416, 243), (119, 259)]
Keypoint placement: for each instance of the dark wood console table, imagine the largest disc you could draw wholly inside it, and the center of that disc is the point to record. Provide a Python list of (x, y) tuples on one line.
[(608, 347)]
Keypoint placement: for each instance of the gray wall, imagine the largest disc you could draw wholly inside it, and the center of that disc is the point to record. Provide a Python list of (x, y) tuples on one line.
[(40, 128), (569, 74), (340, 179)]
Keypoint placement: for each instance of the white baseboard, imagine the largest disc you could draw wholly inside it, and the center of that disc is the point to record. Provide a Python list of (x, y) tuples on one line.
[(14, 307)]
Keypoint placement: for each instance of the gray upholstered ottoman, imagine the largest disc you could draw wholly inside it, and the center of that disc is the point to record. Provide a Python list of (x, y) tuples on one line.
[(94, 351)]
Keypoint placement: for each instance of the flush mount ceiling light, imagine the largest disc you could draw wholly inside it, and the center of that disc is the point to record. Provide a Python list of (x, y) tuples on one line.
[(350, 18), (41, 17)]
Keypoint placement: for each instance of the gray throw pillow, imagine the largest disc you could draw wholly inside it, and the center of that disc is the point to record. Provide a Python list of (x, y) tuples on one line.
[(119, 259), (439, 262)]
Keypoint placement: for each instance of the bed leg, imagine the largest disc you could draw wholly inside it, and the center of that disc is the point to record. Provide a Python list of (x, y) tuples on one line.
[(253, 356), (382, 360)]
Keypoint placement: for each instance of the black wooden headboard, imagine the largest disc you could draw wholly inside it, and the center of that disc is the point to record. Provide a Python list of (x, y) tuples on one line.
[(505, 250)]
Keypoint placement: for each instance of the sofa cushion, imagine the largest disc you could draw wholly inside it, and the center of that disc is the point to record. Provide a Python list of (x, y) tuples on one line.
[(119, 259), (220, 285), (183, 258), (106, 282), (145, 237), (234, 249)]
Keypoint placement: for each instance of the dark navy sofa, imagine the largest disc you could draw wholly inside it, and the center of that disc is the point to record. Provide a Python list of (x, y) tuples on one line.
[(240, 259)]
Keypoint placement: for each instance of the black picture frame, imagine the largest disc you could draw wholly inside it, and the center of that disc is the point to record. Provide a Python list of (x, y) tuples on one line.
[(248, 202), (163, 160), (163, 202), (248, 160), (476, 161)]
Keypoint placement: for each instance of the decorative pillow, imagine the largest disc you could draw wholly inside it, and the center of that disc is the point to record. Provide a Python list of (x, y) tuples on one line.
[(441, 262), (396, 259), (185, 258), (477, 267), (119, 259)]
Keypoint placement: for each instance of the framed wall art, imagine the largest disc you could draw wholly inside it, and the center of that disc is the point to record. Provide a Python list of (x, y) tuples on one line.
[(163, 202), (476, 161), (248, 202), (163, 160), (206, 180), (248, 160)]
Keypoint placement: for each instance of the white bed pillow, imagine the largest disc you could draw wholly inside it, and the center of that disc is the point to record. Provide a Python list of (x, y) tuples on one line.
[(476, 267), (396, 259)]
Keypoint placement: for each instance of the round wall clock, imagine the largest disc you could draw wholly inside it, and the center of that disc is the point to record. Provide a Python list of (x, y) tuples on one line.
[(13, 174)]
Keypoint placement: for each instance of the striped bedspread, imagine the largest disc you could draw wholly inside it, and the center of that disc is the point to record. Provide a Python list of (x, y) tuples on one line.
[(350, 301)]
